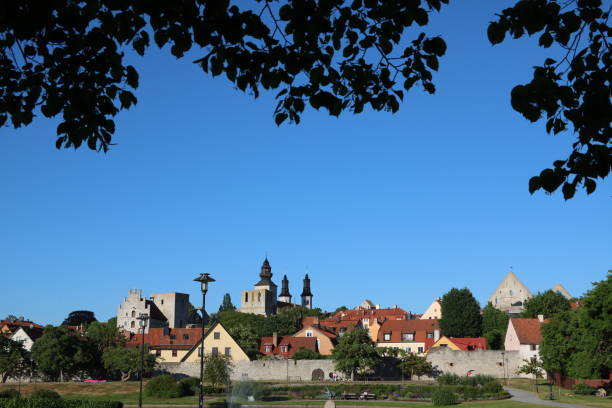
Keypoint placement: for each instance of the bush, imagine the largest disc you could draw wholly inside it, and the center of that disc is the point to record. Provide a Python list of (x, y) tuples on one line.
[(46, 394), (10, 393), (492, 387), (57, 403), (164, 386), (443, 396), (244, 389), (449, 379), (583, 389)]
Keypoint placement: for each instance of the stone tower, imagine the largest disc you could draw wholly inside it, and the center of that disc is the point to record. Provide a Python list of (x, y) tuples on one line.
[(262, 299), (285, 296), (306, 293), (510, 295)]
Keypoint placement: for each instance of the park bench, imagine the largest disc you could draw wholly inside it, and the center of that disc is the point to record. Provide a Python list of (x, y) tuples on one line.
[(367, 396)]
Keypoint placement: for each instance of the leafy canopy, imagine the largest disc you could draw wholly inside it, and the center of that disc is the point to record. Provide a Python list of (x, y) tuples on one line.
[(59, 352), (67, 59), (547, 303), (226, 304), (578, 342), (307, 354), (124, 362), (13, 357), (460, 314), (217, 369), (494, 325), (411, 364), (355, 352)]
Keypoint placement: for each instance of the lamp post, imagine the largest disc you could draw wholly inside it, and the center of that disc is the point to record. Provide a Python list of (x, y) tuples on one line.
[(504, 366), (142, 322), (204, 280)]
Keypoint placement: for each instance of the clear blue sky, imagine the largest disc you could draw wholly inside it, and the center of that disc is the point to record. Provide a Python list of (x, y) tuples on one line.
[(394, 208)]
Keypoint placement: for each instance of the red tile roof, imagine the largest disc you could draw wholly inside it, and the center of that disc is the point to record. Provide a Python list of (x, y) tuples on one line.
[(19, 323), (470, 343), (395, 313), (184, 339), (420, 328), (293, 344), (527, 330), (321, 330)]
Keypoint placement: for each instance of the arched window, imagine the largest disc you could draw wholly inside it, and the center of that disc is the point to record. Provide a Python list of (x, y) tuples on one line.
[(259, 297), (133, 324), (246, 297), (133, 313)]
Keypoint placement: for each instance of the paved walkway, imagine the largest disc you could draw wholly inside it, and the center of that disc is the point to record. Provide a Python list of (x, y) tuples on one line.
[(532, 398)]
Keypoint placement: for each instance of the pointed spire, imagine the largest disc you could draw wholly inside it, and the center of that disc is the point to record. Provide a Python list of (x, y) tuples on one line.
[(265, 274), (306, 291), (285, 287)]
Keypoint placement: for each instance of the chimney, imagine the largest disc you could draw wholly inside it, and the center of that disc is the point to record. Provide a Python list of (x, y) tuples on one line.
[(541, 318), (315, 321), (436, 335), (275, 339)]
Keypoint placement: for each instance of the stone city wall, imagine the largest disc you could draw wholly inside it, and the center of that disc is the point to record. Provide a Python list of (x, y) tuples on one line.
[(272, 370), (489, 362)]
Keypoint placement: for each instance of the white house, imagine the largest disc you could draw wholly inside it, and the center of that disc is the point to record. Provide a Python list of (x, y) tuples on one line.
[(524, 335), (27, 335)]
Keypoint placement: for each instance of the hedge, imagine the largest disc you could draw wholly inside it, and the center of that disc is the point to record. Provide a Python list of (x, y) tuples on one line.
[(56, 403)]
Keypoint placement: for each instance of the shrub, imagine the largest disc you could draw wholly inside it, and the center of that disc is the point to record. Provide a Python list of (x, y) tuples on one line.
[(57, 403), (46, 394), (583, 389), (492, 387), (244, 389), (443, 396), (164, 386), (449, 379), (9, 393)]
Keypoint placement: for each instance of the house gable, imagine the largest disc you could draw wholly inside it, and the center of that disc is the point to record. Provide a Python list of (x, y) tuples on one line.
[(217, 340)]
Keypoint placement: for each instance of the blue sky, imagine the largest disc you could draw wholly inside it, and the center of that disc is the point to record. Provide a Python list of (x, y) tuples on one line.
[(394, 208)]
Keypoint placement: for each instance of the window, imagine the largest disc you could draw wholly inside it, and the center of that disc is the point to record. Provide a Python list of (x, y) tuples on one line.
[(408, 349), (533, 347), (133, 324), (451, 364), (246, 297), (215, 351), (162, 301), (199, 351), (259, 297), (133, 313), (172, 336), (185, 336), (158, 352), (174, 353), (510, 292), (387, 336), (309, 333), (228, 351), (217, 335), (420, 349), (268, 349), (407, 336), (284, 349), (430, 335), (443, 345)]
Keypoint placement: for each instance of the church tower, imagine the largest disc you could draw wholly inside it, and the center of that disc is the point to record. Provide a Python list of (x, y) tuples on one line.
[(262, 299), (306, 293), (285, 296)]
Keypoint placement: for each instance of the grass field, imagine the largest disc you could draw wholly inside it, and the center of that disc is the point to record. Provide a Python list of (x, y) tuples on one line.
[(561, 394), (127, 392)]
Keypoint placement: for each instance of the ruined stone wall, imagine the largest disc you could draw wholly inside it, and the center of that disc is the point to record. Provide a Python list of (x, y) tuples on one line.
[(489, 362)]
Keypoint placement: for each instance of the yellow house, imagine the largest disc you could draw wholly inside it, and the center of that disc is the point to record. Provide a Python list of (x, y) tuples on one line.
[(217, 340), (434, 311), (325, 339), (461, 343)]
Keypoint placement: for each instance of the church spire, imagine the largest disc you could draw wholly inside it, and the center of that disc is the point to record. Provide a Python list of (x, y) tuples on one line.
[(285, 296), (265, 274), (306, 293)]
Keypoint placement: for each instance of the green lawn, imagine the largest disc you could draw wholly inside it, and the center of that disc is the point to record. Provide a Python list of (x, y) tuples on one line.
[(479, 404), (561, 394)]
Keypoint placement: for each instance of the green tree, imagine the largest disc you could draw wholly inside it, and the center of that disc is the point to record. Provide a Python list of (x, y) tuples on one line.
[(578, 342), (124, 362), (217, 369), (338, 55), (58, 352), (355, 352), (307, 354), (532, 367), (226, 304), (12, 358), (494, 325), (411, 364), (104, 335), (247, 339), (460, 314), (547, 303), (297, 313), (281, 324), (340, 309)]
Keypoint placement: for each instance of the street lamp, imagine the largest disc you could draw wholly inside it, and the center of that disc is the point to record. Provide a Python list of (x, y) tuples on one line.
[(204, 279), (142, 322), (504, 367)]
